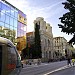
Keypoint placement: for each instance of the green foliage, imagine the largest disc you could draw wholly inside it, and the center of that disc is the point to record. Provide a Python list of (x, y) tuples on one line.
[(25, 52), (68, 19), (34, 51), (37, 42)]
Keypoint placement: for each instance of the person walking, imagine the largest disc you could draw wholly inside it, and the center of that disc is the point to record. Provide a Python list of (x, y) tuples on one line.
[(68, 61)]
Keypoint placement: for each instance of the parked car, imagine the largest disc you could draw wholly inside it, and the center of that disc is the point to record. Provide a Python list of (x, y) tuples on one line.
[(10, 63)]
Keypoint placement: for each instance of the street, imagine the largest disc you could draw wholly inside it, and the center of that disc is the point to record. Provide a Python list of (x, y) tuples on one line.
[(48, 68), (68, 71)]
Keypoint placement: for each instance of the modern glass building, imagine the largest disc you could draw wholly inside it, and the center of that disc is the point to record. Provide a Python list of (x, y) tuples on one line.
[(13, 23)]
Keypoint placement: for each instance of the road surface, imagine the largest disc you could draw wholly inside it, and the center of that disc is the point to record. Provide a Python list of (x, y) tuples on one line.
[(42, 69), (68, 71)]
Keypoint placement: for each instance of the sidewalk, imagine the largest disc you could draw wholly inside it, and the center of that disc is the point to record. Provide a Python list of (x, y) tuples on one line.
[(24, 65), (41, 64)]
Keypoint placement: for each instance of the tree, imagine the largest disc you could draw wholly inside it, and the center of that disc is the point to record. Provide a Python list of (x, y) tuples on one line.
[(68, 20), (37, 42), (25, 52)]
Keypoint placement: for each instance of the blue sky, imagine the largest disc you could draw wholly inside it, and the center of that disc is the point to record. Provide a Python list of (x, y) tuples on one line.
[(50, 10)]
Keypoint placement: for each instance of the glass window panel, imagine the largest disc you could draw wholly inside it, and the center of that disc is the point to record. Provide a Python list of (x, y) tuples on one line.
[(22, 33), (7, 25), (16, 14), (0, 5), (25, 28), (24, 15), (19, 12), (18, 34), (18, 30), (19, 25), (11, 27), (22, 26), (12, 16), (11, 21), (15, 23), (8, 10), (2, 17), (1, 24), (15, 32), (7, 19), (3, 8), (15, 28), (0, 9), (12, 11)]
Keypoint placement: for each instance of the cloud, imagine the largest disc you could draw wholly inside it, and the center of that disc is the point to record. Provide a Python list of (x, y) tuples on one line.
[(45, 11), (51, 6)]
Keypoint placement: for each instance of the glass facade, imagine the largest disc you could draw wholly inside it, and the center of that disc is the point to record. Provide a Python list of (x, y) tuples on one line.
[(12, 23)]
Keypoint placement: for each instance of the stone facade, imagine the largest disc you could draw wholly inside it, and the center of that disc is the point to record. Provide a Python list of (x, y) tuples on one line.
[(46, 38), (60, 45)]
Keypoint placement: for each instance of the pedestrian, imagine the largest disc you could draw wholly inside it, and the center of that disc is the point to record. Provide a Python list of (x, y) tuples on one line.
[(73, 61), (68, 61)]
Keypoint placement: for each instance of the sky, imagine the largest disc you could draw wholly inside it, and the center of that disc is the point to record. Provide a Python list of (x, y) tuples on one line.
[(50, 10)]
